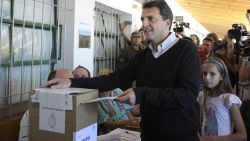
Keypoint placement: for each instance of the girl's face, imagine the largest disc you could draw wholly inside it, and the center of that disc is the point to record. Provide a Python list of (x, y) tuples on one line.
[(211, 75)]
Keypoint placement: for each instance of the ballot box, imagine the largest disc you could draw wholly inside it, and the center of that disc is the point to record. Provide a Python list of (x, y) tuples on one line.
[(62, 115)]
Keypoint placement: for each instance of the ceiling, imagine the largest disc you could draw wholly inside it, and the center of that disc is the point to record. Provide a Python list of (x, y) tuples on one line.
[(217, 15)]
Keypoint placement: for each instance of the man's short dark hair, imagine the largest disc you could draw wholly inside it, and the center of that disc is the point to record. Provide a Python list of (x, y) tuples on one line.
[(83, 68), (165, 11), (208, 39), (52, 75), (213, 36)]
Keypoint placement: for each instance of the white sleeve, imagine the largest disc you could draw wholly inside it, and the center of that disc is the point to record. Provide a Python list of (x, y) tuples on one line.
[(233, 99)]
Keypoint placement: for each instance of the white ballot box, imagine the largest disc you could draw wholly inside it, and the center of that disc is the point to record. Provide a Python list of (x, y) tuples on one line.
[(63, 115)]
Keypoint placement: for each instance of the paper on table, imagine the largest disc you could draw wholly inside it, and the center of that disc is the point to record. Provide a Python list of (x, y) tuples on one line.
[(109, 137), (100, 99), (126, 135), (86, 134)]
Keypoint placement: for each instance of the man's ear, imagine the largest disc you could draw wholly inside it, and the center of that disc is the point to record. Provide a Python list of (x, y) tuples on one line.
[(167, 23)]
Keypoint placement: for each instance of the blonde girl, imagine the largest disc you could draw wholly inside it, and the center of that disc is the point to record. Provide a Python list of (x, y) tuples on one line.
[(220, 107)]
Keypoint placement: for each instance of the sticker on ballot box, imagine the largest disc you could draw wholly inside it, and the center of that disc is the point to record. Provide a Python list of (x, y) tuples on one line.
[(86, 134), (52, 112)]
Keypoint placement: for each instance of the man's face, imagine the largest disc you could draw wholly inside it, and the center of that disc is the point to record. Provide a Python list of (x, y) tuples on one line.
[(80, 73), (155, 29), (207, 46), (135, 41)]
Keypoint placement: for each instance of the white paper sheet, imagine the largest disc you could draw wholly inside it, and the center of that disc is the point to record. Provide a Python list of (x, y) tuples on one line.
[(87, 134), (109, 137), (52, 112), (127, 135), (121, 135), (100, 99)]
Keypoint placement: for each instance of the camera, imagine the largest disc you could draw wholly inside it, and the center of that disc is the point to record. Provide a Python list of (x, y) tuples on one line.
[(246, 50), (237, 31), (179, 26), (219, 45)]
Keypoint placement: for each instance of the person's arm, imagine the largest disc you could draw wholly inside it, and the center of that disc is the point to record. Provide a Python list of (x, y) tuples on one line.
[(240, 133), (124, 32), (121, 78), (244, 73)]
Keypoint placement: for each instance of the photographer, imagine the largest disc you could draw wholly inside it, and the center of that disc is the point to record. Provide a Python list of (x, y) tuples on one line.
[(205, 49), (224, 50), (179, 29), (244, 74), (244, 81)]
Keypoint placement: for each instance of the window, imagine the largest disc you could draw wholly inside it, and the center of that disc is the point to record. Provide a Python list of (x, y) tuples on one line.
[(28, 51), (108, 40)]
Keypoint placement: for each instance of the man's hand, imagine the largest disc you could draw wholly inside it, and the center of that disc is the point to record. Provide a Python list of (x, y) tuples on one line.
[(57, 83), (127, 96)]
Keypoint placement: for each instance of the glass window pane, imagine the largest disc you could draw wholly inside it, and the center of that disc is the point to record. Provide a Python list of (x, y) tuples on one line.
[(26, 86), (36, 77), (6, 8), (47, 45), (45, 70), (15, 86), (5, 46), (3, 86), (40, 8), (23, 47)]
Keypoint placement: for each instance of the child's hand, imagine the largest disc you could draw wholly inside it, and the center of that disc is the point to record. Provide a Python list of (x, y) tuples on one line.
[(133, 122)]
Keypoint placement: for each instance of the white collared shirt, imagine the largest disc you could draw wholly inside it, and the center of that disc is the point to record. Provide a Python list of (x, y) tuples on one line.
[(165, 45)]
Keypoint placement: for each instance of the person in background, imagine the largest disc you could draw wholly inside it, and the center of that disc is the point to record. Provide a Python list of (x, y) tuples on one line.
[(60, 73), (244, 73), (213, 36), (81, 72), (195, 39), (206, 49), (226, 53), (113, 114), (130, 51), (127, 37), (167, 75), (248, 15), (220, 106)]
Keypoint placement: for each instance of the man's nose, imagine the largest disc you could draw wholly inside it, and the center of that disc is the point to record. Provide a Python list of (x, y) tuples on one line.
[(145, 23)]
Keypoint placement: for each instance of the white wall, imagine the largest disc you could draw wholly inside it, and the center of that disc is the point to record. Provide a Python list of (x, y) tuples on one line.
[(79, 15), (84, 19)]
